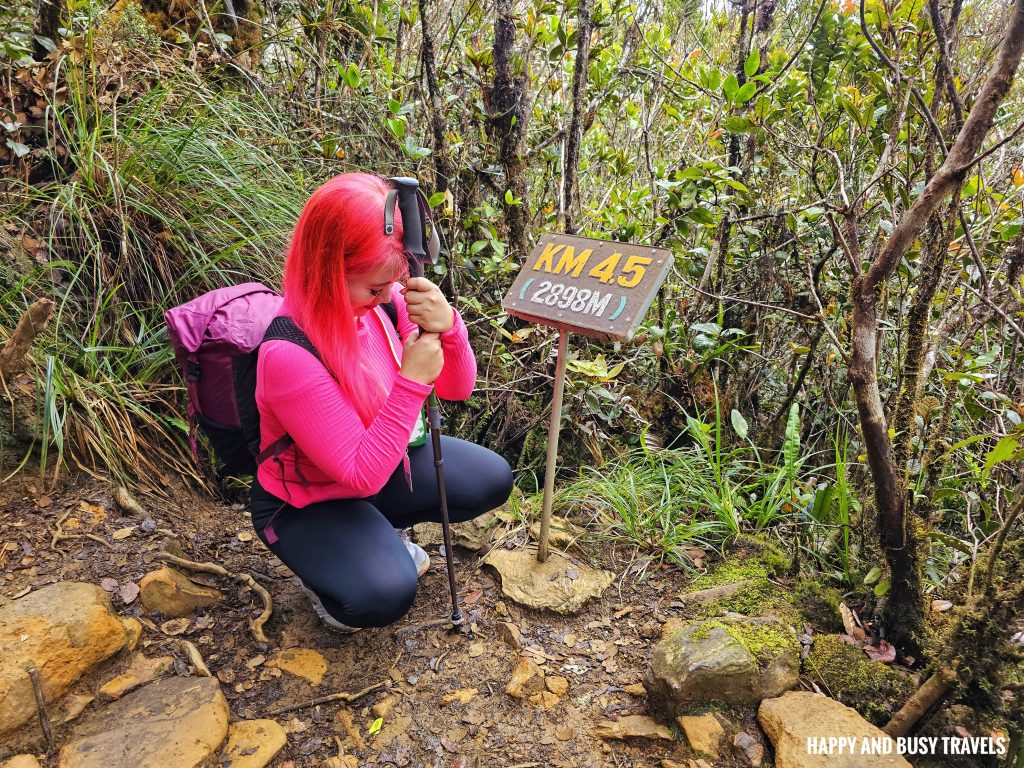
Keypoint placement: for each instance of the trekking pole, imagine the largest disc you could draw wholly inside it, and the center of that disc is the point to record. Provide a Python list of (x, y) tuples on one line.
[(414, 214)]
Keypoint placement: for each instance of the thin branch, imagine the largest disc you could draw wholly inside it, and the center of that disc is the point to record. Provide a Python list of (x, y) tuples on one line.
[(327, 700)]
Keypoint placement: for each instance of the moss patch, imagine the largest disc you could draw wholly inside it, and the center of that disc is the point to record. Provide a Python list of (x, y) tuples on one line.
[(765, 640), (874, 689), (819, 605), (755, 562)]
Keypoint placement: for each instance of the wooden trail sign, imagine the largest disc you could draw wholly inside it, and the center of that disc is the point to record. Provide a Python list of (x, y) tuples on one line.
[(594, 287)]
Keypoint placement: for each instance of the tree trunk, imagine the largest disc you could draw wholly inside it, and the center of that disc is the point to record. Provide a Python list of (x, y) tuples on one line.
[(444, 169), (508, 115), (905, 609), (579, 92)]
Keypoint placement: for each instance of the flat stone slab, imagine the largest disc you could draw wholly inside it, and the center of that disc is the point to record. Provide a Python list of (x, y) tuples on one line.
[(557, 584), (64, 630), (473, 534), (794, 719), (253, 743), (177, 722), (306, 663)]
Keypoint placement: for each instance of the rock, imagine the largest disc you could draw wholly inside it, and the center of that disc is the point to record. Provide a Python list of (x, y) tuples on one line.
[(544, 699), (792, 719), (71, 706), (385, 706), (527, 679), (142, 670), (176, 722), (63, 629), (511, 634), (134, 629), (631, 727), (174, 594), (473, 534), (301, 662), (561, 533), (736, 661), (704, 733), (711, 594), (21, 761), (557, 684), (253, 743), (750, 747), (557, 584)]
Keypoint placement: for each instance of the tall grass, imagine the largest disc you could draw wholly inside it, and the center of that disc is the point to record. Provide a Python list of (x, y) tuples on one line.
[(169, 189)]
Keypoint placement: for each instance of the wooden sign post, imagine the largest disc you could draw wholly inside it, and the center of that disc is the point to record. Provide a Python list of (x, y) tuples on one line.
[(594, 287)]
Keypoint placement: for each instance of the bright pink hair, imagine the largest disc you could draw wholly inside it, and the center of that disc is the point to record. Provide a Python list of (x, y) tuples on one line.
[(339, 234)]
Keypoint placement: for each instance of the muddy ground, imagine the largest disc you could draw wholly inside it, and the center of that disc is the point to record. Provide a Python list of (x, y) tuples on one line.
[(443, 694)]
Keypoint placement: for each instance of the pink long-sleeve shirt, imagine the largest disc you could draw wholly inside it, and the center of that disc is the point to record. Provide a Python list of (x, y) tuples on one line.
[(340, 457)]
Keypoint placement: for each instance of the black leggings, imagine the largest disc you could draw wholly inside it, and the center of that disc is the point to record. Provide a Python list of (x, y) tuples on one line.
[(347, 550)]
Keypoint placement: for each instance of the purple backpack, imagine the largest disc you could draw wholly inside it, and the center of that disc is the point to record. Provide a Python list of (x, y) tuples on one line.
[(216, 339)]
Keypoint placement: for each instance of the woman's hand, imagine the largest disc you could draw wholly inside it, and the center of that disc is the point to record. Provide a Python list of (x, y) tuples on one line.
[(427, 306), (422, 358)]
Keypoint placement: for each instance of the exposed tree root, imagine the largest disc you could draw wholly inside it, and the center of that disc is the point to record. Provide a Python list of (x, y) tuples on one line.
[(327, 700), (255, 625), (934, 688)]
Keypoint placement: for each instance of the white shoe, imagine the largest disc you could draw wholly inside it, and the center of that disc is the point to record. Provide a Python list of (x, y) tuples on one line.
[(322, 612), (418, 554)]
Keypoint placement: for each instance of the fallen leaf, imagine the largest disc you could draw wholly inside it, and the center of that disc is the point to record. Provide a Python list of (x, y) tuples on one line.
[(123, 533), (939, 606), (473, 597), (129, 592), (477, 649), (883, 652), (572, 573), (43, 502), (375, 726), (462, 695), (244, 536), (175, 626), (108, 584)]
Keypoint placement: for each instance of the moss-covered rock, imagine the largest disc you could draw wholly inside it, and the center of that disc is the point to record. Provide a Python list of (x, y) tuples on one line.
[(874, 689), (818, 605), (754, 562), (735, 661)]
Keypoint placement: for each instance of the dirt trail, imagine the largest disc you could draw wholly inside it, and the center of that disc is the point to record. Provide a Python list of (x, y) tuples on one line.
[(443, 700)]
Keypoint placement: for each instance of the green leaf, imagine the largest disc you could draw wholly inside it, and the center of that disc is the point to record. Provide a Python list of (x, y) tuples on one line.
[(882, 588), (735, 124), (352, 76), (746, 93), (435, 199), (739, 423), (873, 575), (509, 197), (730, 86), (1004, 451), (376, 725), (751, 65), (712, 329), (791, 445)]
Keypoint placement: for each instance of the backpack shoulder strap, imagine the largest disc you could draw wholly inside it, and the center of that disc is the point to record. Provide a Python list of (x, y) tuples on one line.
[(392, 312), (285, 329)]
